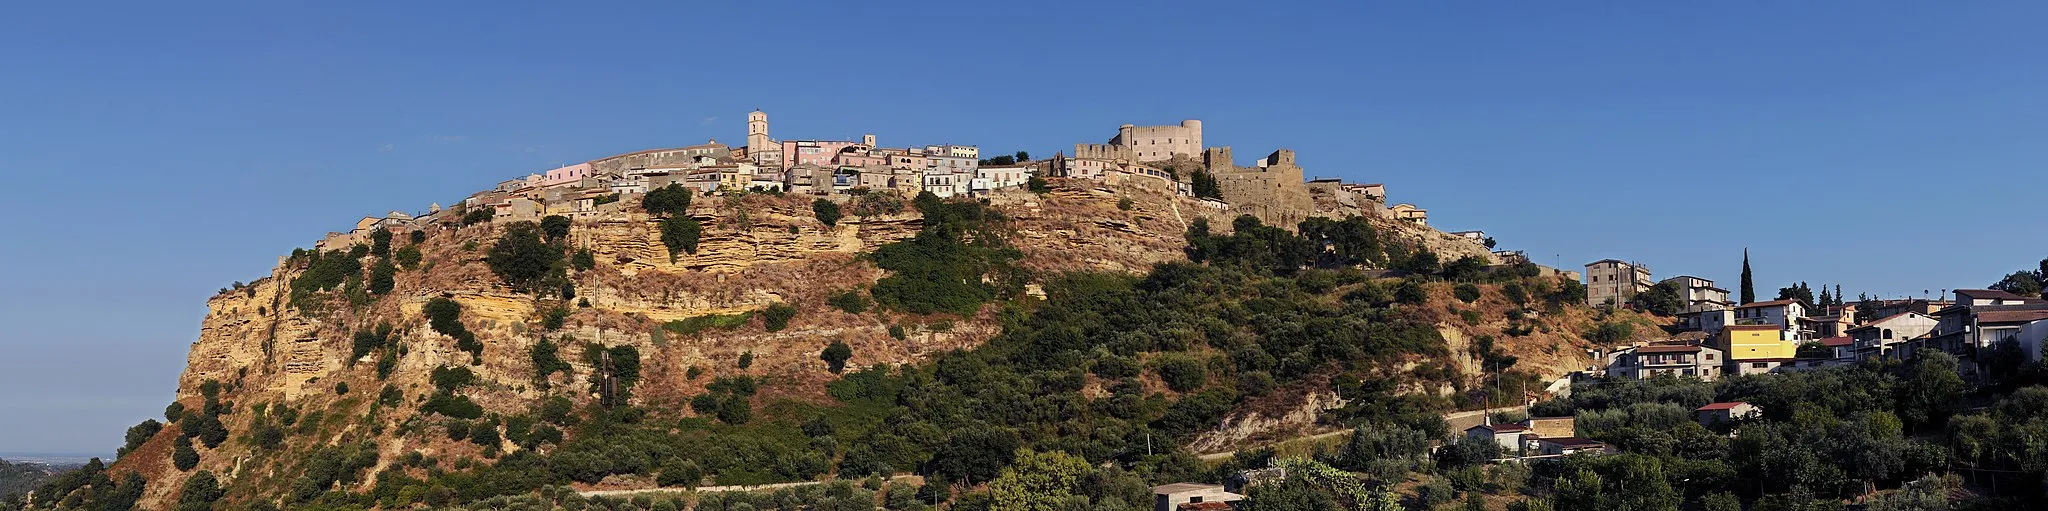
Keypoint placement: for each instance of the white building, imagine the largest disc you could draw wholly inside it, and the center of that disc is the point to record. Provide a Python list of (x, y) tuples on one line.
[(1784, 314), (1876, 339)]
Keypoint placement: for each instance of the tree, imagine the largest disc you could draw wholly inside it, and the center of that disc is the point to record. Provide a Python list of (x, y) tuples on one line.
[(776, 317), (1000, 161), (521, 258), (555, 227), (1797, 292), (826, 211), (1038, 481), (383, 277), (680, 234), (1931, 389), (1037, 184), (408, 257), (1205, 185), (1182, 374), (418, 237), (584, 260), (1023, 156), (2023, 283), (836, 355), (138, 434), (199, 493), (1748, 283), (183, 456), (1662, 299), (670, 200), (380, 242)]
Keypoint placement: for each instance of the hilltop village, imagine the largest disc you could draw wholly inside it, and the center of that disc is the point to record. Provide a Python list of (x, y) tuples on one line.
[(1168, 159), (1797, 331)]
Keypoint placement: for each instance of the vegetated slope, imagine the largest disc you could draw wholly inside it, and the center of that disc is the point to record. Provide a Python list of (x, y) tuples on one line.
[(595, 351)]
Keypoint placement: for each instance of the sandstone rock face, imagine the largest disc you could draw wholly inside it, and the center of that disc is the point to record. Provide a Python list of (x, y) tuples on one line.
[(755, 251)]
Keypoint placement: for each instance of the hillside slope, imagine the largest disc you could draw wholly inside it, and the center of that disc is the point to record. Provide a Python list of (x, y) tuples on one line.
[(288, 381)]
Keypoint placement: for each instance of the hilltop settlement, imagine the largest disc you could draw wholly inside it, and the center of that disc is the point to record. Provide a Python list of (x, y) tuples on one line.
[(1140, 323)]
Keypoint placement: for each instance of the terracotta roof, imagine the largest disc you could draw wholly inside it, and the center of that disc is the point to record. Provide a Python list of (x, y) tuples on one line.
[(1184, 487), (1668, 349), (1838, 341), (1719, 406), (1204, 506), (1772, 303)]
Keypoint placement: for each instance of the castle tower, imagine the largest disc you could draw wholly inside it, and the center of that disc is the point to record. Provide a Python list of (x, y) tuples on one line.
[(1218, 159), (868, 140), (757, 131), (1123, 134), (1193, 131)]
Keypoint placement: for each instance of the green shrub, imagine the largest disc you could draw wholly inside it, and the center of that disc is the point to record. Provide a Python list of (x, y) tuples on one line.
[(554, 318), (956, 263), (695, 324), (555, 227), (1182, 374), (670, 200), (1125, 204), (521, 258), (896, 332), (777, 316), (407, 258), (183, 456), (826, 211), (478, 215), (850, 301), (680, 235), (418, 237), (1466, 292), (836, 355), (340, 388), (583, 260), (746, 360)]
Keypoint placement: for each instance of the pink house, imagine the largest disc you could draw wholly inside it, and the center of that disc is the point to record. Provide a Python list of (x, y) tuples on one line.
[(815, 152), (569, 174), (864, 160)]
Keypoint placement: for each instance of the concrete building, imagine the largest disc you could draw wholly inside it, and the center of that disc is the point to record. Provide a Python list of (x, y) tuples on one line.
[(1170, 497), (998, 178), (1699, 294), (1680, 360), (1409, 213), (1716, 414), (1614, 282), (951, 164), (1784, 314), (813, 152), (1981, 317), (956, 151), (1509, 436), (1875, 340), (1569, 446), (567, 175), (1752, 349)]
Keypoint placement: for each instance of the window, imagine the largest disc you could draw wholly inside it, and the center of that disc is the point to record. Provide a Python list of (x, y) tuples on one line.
[(1887, 333), (1759, 365)]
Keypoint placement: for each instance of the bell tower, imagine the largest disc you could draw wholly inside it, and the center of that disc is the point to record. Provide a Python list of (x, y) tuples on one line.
[(757, 131)]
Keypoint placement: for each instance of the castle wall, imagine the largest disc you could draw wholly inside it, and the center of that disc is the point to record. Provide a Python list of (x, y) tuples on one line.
[(1155, 143)]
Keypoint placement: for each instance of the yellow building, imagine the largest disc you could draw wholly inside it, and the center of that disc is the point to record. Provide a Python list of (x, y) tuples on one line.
[(1754, 348)]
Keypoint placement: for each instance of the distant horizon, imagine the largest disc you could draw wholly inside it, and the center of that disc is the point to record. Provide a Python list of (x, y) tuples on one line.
[(166, 150)]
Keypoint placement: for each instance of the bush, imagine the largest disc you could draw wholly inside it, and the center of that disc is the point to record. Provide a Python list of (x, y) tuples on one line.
[(183, 456), (383, 277), (850, 301), (746, 360), (521, 258), (777, 316), (138, 434), (1466, 292), (1182, 374), (554, 318), (826, 211), (418, 237), (680, 235), (477, 216), (669, 200), (340, 388), (583, 260), (408, 257), (555, 227), (1125, 204), (836, 355)]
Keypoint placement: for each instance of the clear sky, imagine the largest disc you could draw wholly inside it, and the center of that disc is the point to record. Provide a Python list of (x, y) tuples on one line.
[(156, 152)]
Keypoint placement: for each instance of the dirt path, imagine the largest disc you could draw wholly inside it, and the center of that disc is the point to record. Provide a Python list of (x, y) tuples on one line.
[(1458, 422), (716, 489)]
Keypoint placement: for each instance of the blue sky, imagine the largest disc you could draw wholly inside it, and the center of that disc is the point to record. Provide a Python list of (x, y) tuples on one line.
[(157, 152)]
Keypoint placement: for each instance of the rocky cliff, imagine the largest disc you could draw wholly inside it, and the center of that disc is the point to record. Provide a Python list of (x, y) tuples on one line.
[(259, 358)]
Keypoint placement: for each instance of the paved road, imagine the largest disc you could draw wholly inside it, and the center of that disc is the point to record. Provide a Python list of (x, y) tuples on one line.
[(1458, 421)]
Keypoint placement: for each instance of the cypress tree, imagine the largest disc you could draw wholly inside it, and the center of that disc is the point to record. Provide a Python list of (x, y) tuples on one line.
[(1748, 285)]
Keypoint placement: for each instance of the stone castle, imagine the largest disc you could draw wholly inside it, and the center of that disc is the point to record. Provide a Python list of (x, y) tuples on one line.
[(1272, 189)]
